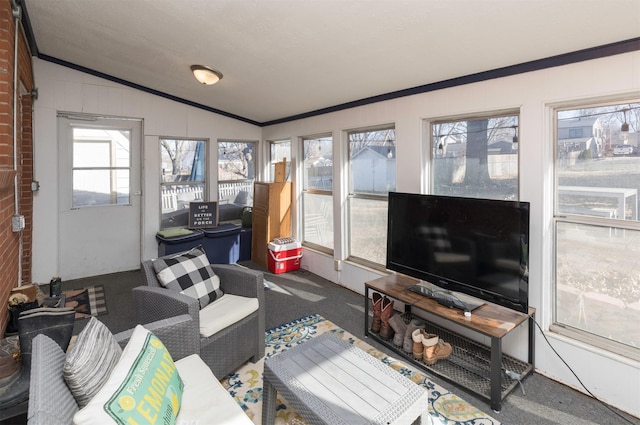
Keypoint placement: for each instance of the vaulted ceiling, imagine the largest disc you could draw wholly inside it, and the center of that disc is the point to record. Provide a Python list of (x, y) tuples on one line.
[(286, 58)]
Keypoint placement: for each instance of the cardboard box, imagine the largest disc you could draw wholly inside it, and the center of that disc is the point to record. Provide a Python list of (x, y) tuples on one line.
[(284, 257), (29, 290), (281, 171)]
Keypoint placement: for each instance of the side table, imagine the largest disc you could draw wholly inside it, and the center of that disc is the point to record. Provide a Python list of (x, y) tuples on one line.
[(329, 381)]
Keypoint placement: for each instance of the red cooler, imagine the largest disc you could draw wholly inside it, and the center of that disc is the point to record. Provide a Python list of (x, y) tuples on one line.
[(284, 255)]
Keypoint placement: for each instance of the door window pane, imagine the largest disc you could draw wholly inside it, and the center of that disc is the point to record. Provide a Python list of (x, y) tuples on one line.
[(100, 167)]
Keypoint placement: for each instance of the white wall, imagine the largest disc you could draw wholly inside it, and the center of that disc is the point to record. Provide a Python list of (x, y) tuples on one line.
[(612, 378), (64, 89)]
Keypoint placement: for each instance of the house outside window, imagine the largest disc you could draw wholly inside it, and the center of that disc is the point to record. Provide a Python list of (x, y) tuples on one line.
[(101, 167), (317, 192), (476, 157), (596, 227), (372, 175), (183, 179)]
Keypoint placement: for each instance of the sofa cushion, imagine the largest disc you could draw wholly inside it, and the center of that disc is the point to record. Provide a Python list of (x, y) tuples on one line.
[(189, 273), (144, 387), (90, 361), (225, 312), (205, 400)]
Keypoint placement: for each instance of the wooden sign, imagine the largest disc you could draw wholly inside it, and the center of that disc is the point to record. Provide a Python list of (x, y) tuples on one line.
[(203, 215)]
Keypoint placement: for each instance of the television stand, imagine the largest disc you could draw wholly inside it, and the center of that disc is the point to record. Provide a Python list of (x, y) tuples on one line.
[(473, 366)]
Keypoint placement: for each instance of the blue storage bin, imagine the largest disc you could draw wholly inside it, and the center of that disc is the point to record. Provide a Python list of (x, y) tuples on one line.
[(173, 244), (222, 243)]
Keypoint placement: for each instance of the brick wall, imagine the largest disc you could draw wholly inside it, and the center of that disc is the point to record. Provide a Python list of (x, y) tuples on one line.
[(10, 242)]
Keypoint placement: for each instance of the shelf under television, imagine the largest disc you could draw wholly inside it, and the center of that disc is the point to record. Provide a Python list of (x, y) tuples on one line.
[(473, 366), (469, 365)]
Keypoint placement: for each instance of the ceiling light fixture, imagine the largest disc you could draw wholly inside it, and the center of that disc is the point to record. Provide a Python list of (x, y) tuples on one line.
[(206, 75)]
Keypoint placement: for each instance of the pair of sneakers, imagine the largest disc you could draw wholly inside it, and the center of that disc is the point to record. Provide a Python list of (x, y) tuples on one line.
[(429, 348)]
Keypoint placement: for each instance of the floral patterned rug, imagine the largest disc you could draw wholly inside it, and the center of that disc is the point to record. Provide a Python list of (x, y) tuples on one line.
[(245, 385)]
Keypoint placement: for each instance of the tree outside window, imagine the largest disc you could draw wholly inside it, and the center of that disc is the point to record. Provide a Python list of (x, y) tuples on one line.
[(236, 172), (183, 172), (476, 158)]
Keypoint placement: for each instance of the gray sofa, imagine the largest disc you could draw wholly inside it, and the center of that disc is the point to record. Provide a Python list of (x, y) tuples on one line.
[(204, 400), (227, 349)]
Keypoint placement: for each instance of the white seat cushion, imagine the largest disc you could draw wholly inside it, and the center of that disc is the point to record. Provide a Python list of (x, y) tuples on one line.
[(225, 311), (204, 399)]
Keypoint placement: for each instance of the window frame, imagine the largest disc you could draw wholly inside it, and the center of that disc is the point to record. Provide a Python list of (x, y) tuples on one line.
[(112, 168), (305, 190), (271, 144), (564, 217), (204, 183), (356, 196), (432, 144), (246, 183)]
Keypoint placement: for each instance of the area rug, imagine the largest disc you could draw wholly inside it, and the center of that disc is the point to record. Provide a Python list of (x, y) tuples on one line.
[(86, 302), (245, 385)]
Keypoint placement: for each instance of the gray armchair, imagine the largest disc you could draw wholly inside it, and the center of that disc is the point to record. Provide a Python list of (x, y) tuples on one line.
[(50, 400), (227, 349)]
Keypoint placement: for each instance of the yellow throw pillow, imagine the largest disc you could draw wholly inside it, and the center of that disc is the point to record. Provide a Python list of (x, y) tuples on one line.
[(143, 388)]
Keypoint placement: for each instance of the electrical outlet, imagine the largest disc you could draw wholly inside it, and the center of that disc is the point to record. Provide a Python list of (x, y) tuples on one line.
[(337, 265)]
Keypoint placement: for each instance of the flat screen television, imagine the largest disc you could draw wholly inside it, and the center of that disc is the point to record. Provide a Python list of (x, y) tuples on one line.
[(474, 246)]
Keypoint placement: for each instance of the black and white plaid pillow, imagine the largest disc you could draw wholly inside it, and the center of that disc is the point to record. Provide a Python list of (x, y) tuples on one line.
[(189, 273)]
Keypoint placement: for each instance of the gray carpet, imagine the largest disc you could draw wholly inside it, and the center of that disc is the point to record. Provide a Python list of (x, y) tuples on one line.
[(300, 293)]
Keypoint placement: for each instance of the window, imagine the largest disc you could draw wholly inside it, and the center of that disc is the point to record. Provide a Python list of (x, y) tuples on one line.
[(101, 167), (183, 171), (372, 166), (574, 133), (278, 151), (317, 191), (476, 158), (236, 172), (597, 232)]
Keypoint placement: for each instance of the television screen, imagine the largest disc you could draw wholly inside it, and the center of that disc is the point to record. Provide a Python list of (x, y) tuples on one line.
[(474, 246)]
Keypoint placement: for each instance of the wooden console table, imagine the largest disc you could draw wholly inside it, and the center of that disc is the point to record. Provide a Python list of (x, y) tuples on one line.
[(471, 365)]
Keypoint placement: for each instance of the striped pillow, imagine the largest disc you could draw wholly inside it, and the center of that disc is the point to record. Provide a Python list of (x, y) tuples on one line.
[(143, 388), (190, 273), (90, 361)]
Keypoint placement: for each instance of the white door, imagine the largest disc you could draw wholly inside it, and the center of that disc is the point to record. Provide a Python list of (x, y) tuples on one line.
[(99, 195)]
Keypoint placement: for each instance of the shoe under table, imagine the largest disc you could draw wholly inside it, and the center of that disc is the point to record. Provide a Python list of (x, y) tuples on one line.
[(329, 381)]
